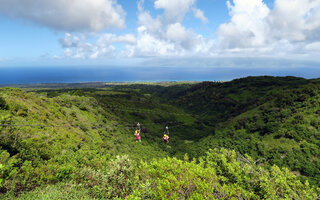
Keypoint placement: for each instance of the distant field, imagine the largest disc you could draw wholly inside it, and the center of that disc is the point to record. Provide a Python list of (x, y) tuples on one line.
[(93, 84)]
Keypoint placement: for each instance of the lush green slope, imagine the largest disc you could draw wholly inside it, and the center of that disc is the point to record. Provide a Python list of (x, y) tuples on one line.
[(279, 124), (84, 135), (273, 119), (73, 151)]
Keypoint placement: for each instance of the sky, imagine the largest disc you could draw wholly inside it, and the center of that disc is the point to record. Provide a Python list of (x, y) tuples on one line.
[(161, 33)]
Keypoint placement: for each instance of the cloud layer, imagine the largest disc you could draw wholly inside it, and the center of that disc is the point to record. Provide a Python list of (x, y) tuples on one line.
[(254, 30), (67, 15), (160, 36), (291, 29)]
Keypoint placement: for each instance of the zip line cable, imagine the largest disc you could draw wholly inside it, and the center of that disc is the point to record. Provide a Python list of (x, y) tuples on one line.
[(57, 126), (75, 126)]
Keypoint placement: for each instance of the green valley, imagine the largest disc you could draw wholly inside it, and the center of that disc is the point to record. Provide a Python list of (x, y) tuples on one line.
[(250, 138)]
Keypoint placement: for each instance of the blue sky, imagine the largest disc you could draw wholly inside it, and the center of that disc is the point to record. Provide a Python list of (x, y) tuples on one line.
[(177, 33)]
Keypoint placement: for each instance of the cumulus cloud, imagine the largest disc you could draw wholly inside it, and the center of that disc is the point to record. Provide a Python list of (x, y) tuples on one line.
[(67, 15), (176, 32), (150, 45), (247, 26), (295, 20), (286, 30), (200, 15), (154, 26), (69, 41), (315, 46), (111, 39), (165, 35), (103, 46), (175, 10)]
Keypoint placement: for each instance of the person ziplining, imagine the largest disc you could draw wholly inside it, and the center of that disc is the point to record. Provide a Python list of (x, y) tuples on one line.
[(166, 135), (137, 133)]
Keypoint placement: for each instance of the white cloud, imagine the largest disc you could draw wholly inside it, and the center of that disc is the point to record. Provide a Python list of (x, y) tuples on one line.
[(288, 30), (103, 45), (175, 10), (150, 45), (186, 41), (295, 20), (151, 24), (67, 15), (165, 35), (69, 41), (200, 15), (176, 32), (68, 53), (313, 46), (112, 38), (247, 26)]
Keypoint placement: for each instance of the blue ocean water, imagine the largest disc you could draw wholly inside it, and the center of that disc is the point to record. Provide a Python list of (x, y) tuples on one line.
[(28, 75)]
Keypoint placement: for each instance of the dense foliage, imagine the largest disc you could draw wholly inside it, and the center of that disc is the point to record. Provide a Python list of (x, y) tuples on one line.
[(79, 143), (221, 174), (281, 128), (46, 140), (273, 119)]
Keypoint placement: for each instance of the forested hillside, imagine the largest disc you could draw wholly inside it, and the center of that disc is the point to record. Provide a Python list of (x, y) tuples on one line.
[(272, 119), (251, 138)]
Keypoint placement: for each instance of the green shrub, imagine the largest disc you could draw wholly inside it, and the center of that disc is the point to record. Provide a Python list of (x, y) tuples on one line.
[(22, 112), (121, 176), (63, 191), (116, 182), (221, 174), (3, 104), (1, 166), (65, 172)]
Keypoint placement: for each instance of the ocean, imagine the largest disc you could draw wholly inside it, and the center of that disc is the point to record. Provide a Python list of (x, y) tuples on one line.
[(29, 75)]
